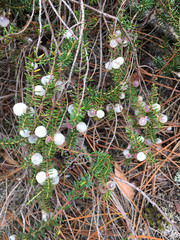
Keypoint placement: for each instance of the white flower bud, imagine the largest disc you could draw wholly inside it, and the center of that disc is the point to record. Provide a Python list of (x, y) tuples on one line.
[(81, 127), (53, 173), (36, 159), (169, 128), (118, 108), (45, 79), (24, 133), (108, 66), (113, 43), (141, 156), (156, 107), (70, 108), (55, 180), (19, 109), (39, 90), (59, 139), (32, 139), (100, 113), (121, 95), (4, 21), (41, 177), (41, 131)]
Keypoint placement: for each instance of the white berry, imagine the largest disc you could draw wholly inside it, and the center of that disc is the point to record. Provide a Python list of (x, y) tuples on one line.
[(142, 121), (36, 159), (41, 177), (70, 108), (32, 139), (39, 90), (118, 108), (156, 107), (19, 109), (113, 43), (163, 118), (59, 139), (45, 79), (24, 133), (44, 216), (108, 66), (81, 127), (122, 95), (41, 131), (52, 173), (55, 180), (140, 139), (100, 113), (141, 156)]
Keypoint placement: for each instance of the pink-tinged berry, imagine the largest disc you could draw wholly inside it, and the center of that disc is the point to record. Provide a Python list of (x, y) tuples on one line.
[(142, 121), (91, 112), (113, 43), (146, 108), (111, 185), (147, 141), (163, 118), (136, 83)]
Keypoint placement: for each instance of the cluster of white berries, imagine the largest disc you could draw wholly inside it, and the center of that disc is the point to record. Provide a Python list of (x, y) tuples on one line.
[(118, 39), (117, 107), (115, 64), (142, 121), (52, 174)]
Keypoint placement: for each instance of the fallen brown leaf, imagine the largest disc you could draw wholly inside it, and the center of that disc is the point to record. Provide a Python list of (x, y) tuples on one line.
[(125, 188)]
